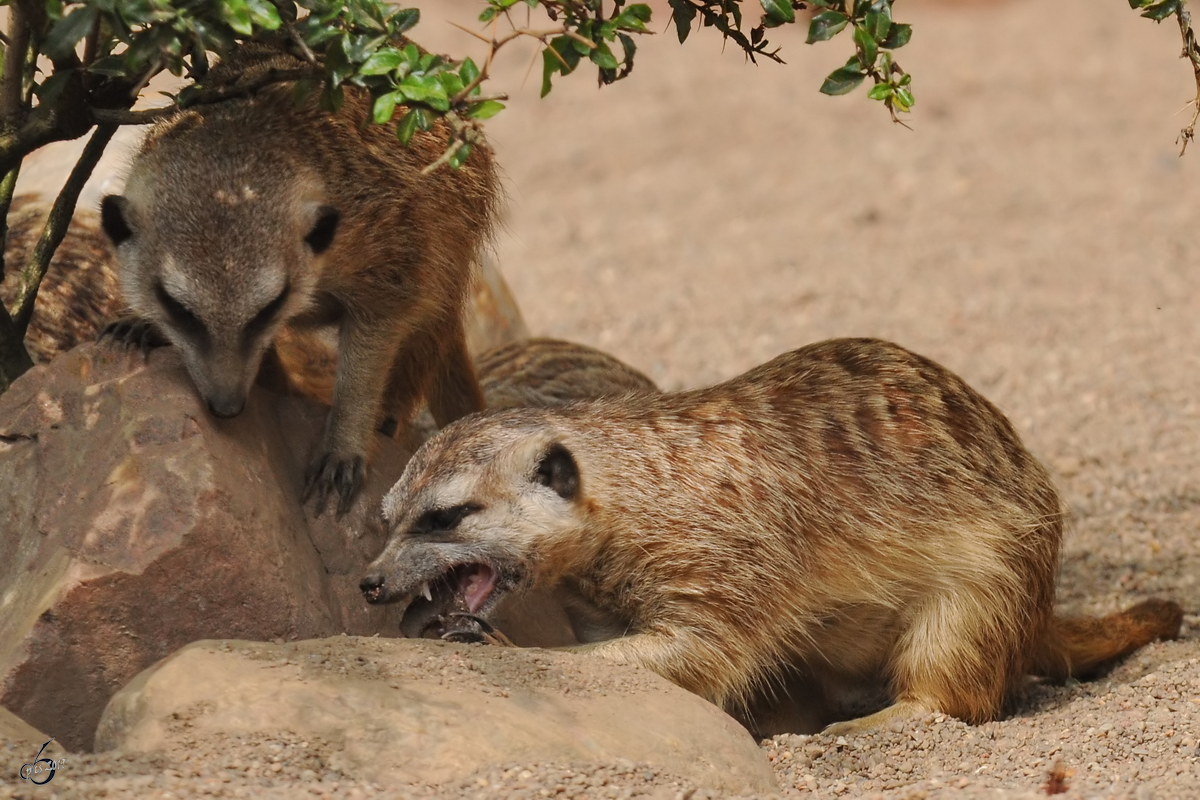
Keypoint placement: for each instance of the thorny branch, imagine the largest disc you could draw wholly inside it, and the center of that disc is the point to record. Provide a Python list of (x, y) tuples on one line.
[(1192, 53), (467, 131)]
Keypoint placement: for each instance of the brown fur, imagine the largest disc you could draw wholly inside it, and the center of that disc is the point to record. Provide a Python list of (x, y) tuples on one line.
[(221, 207), (550, 372), (850, 515), (79, 294)]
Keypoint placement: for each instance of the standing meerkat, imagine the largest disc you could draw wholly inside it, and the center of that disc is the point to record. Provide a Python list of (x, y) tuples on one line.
[(242, 216), (849, 512)]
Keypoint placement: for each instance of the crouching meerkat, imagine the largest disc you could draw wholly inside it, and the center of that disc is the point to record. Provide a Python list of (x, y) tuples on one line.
[(242, 216), (850, 512)]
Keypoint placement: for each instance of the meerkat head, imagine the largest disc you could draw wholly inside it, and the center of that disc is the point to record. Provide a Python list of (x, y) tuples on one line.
[(217, 254), (475, 511)]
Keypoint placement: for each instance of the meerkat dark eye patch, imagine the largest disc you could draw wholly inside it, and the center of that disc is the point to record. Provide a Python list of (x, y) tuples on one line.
[(558, 470), (180, 315), (112, 218), (266, 316), (443, 520), (321, 235)]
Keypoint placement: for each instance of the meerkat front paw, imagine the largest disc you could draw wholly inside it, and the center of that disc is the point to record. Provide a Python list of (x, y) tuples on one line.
[(133, 331), (341, 476)]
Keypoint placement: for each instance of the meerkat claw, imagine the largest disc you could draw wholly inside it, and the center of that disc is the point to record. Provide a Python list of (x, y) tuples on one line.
[(130, 331), (328, 476)]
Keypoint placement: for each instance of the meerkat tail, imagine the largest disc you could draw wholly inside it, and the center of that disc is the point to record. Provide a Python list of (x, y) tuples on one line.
[(1078, 646)]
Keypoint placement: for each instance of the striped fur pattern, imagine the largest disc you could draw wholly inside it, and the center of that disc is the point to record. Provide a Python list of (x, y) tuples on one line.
[(551, 372), (850, 512)]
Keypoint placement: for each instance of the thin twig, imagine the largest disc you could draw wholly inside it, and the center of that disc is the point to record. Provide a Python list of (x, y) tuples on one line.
[(12, 80), (1192, 53), (218, 94), (7, 186), (56, 226)]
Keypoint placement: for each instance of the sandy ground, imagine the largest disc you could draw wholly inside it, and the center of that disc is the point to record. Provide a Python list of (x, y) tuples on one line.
[(1035, 232)]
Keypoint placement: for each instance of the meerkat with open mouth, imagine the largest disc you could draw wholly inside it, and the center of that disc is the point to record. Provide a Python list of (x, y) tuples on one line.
[(850, 513)]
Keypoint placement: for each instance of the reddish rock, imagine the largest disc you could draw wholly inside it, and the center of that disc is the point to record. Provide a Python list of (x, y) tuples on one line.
[(137, 523)]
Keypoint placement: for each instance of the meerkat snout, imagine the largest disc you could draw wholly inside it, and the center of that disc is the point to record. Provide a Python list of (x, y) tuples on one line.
[(372, 587)]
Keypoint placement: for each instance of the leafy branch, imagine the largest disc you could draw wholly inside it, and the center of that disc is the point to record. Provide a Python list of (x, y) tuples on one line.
[(1158, 10)]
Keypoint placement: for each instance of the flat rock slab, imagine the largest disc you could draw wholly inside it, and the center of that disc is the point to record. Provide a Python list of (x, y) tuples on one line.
[(418, 712)]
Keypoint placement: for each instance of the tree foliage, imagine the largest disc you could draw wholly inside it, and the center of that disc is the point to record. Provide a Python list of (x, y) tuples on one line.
[(69, 67)]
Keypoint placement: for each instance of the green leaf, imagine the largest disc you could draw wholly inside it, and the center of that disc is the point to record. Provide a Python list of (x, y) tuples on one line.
[(385, 106), (603, 56), (843, 80), (880, 91), (407, 126), (485, 110), (451, 83), (1160, 11), (236, 14), (487, 14), (683, 14), (67, 32), (49, 90), (112, 66), (897, 37), (825, 26), (550, 65), (634, 18), (332, 98), (903, 99), (264, 15), (404, 20), (778, 12), (382, 62), (867, 48), (878, 23), (460, 156), (425, 89), (468, 71)]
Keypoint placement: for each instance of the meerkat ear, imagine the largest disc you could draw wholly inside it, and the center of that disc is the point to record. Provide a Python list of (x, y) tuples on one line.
[(321, 235), (112, 218), (558, 470)]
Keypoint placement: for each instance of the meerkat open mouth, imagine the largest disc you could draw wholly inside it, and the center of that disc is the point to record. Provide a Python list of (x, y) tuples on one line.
[(462, 589)]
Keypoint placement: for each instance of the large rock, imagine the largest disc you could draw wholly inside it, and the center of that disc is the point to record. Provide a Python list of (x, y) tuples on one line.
[(136, 523), (411, 711)]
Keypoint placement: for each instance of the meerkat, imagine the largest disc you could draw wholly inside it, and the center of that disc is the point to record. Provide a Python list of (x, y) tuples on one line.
[(850, 512), (242, 216)]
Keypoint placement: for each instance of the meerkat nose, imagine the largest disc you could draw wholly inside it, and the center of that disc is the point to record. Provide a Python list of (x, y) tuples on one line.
[(226, 407), (372, 587)]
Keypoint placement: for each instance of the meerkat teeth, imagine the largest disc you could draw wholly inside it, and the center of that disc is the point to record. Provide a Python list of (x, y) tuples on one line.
[(428, 595)]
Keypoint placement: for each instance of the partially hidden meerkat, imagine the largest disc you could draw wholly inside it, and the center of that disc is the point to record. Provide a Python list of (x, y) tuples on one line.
[(79, 294), (850, 513), (242, 216)]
